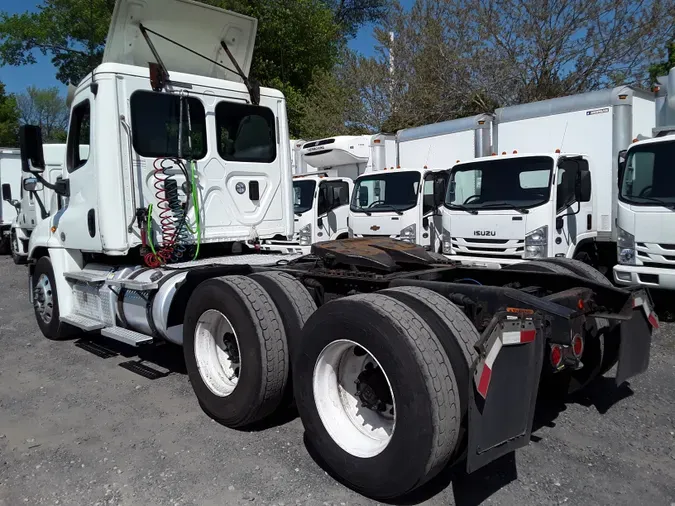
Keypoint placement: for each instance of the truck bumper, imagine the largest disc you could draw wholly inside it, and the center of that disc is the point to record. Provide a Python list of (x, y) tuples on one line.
[(494, 263), (649, 277), (285, 247)]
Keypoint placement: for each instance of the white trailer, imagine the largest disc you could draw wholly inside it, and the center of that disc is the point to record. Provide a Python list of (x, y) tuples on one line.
[(552, 190), (38, 203), (441, 145), (321, 197), (413, 368), (10, 181), (646, 209)]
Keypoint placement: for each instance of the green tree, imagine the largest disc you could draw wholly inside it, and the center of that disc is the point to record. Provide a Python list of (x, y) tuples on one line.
[(9, 119), (47, 109), (662, 69)]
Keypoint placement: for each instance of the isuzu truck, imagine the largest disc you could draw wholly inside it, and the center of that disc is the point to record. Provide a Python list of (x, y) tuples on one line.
[(549, 190), (401, 361), (646, 211)]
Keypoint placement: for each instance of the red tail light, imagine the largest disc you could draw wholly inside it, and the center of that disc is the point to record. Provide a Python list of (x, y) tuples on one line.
[(556, 356), (577, 345)]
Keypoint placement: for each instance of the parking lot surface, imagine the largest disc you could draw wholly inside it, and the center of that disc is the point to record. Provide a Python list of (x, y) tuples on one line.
[(79, 427)]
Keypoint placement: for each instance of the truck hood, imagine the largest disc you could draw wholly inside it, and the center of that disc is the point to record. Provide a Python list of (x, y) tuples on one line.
[(648, 224), (195, 25)]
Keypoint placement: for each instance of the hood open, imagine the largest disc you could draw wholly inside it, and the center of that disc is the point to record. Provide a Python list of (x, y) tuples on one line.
[(194, 25)]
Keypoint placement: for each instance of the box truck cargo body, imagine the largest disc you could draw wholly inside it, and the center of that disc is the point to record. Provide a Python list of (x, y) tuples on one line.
[(441, 145), (580, 136), (10, 181)]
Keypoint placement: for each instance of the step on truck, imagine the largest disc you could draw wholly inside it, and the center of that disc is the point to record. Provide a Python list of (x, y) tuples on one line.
[(646, 209), (550, 190), (401, 361), (321, 196)]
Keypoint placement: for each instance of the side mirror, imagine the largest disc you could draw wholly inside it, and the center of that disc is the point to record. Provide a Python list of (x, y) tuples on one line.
[(320, 223), (32, 156), (582, 188), (425, 222), (559, 223), (439, 192), (6, 192), (31, 184), (363, 197), (621, 163)]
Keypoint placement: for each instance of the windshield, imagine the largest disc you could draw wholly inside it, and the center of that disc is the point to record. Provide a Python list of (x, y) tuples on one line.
[(391, 191), (303, 195), (500, 184), (649, 178)]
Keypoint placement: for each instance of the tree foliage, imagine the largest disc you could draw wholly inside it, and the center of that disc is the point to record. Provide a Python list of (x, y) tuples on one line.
[(47, 109), (462, 57), (663, 68), (9, 119)]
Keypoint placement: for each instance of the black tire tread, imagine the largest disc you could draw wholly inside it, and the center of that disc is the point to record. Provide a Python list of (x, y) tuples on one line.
[(296, 291), (579, 268), (462, 329), (273, 344), (436, 370)]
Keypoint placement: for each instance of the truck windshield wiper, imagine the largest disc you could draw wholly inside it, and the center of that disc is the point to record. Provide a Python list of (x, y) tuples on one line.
[(669, 205), (520, 209), (387, 206), (461, 208)]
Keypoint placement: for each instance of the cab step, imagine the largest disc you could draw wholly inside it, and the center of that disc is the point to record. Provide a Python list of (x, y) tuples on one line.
[(83, 323), (87, 277), (126, 336)]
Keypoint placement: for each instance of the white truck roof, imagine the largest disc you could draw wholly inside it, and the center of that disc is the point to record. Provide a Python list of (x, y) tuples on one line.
[(191, 24)]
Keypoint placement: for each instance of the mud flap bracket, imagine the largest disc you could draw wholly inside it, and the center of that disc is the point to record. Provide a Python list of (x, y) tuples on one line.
[(636, 339)]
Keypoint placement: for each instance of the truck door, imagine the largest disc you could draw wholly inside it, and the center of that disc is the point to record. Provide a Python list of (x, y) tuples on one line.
[(332, 209), (77, 222), (433, 192), (569, 224)]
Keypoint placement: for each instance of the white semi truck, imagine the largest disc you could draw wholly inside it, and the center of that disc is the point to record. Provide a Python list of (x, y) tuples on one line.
[(10, 182), (550, 190), (403, 203), (321, 196), (646, 211), (38, 203), (399, 365)]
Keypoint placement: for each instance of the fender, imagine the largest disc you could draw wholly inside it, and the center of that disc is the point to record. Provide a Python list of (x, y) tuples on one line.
[(582, 241)]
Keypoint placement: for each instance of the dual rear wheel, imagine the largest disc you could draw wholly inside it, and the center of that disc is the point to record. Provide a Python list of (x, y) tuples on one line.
[(380, 380)]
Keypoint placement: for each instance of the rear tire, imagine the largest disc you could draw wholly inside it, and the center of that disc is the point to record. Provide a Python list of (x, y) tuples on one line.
[(235, 350), (46, 303), (580, 268), (352, 437), (453, 329)]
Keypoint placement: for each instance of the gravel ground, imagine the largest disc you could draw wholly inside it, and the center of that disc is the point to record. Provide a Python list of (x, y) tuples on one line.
[(79, 429)]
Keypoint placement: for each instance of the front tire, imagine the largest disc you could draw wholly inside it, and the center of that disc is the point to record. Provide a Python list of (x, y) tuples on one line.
[(235, 350), (376, 394), (46, 302)]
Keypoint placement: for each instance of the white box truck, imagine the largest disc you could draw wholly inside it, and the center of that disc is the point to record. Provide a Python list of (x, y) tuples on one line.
[(646, 215), (404, 203), (10, 181), (399, 366), (551, 191), (321, 196), (38, 203)]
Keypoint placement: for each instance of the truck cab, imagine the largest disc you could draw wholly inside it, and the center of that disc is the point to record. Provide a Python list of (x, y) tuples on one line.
[(10, 182), (500, 210), (399, 203)]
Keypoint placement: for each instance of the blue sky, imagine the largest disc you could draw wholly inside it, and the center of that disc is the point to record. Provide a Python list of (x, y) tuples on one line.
[(43, 73)]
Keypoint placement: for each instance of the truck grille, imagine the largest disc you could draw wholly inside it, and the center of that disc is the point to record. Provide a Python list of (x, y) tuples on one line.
[(503, 248), (660, 256)]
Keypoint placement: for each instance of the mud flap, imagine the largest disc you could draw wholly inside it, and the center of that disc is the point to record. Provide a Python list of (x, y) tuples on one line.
[(503, 394), (636, 339)]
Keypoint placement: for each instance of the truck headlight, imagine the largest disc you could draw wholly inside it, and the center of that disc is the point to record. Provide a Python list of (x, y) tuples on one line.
[(536, 243), (447, 244), (305, 234), (409, 234), (626, 248)]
